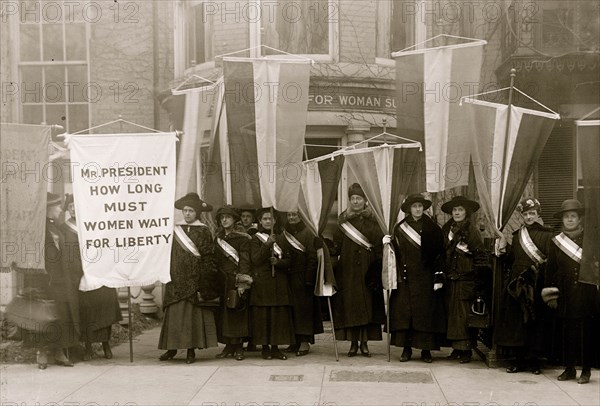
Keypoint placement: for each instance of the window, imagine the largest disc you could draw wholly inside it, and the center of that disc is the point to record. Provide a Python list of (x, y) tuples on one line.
[(399, 26), (307, 27), (53, 70)]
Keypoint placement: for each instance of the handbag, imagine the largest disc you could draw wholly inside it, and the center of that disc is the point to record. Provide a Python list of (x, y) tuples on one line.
[(478, 317), (232, 301), (31, 313)]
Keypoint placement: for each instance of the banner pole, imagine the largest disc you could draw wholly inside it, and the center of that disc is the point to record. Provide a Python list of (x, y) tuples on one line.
[(513, 74), (272, 234), (337, 357), (389, 350), (130, 324)]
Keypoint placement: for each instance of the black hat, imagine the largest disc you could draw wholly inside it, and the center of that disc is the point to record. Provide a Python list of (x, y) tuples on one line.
[(247, 208), (355, 189), (529, 204), (470, 206), (570, 205), (416, 198), (68, 200), (193, 200), (259, 212), (52, 199), (228, 209)]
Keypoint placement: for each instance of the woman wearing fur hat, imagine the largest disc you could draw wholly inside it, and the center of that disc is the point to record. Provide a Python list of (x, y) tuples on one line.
[(233, 260), (270, 302), (186, 324), (358, 305), (465, 256), (417, 316), (522, 312), (99, 308), (576, 302)]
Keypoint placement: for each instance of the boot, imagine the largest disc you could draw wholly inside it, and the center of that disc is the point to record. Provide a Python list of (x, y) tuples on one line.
[(465, 357), (586, 373), (227, 351), (353, 349), (191, 356), (406, 354), (167, 355), (426, 356), (266, 352), (568, 374), (455, 354), (42, 359), (89, 352), (61, 359), (364, 349), (107, 351)]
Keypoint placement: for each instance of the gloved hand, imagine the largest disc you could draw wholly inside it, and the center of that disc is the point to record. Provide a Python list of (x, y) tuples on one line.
[(387, 239), (437, 286), (553, 304)]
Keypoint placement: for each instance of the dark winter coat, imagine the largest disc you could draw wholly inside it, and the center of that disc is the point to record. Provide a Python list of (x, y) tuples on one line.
[(414, 304), (302, 278), (190, 274), (269, 290), (521, 308), (359, 297), (577, 300), (234, 322)]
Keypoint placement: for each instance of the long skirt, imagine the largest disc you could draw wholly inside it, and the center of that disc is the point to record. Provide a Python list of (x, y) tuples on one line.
[(272, 325), (187, 326), (98, 311), (416, 339), (63, 333), (368, 332)]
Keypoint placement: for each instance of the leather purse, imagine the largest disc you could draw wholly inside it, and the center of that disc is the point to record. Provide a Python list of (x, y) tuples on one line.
[(232, 301), (31, 313), (478, 317)]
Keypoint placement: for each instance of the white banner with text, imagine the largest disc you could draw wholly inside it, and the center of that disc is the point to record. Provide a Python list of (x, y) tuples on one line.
[(124, 192)]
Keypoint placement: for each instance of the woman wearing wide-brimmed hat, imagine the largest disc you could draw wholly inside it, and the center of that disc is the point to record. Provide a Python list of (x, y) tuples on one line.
[(232, 252), (98, 308), (465, 256), (522, 315), (577, 303), (417, 317), (186, 323), (358, 306)]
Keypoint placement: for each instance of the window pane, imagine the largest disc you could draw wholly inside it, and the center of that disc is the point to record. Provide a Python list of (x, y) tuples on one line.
[(77, 78), (30, 42), (56, 114), (403, 26), (33, 114), (76, 40), (54, 86), (78, 117), (299, 27), (53, 42), (31, 84)]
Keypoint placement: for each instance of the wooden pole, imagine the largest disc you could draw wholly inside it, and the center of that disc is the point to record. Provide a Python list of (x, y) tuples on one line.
[(272, 234), (389, 349), (337, 357), (513, 73), (130, 326)]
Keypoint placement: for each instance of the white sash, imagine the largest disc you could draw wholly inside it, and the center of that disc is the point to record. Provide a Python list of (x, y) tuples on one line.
[(355, 235), (411, 234), (530, 248), (71, 226), (294, 241), (229, 251), (263, 237), (186, 243), (568, 246)]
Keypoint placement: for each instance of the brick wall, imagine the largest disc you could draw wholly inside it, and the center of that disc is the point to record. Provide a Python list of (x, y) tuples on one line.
[(357, 22)]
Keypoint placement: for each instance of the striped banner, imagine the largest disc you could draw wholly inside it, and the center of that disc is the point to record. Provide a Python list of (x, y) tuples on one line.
[(267, 102), (504, 161), (429, 85), (387, 174)]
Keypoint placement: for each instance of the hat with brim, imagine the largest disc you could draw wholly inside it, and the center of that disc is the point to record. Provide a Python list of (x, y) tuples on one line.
[(52, 200), (470, 205), (259, 213), (529, 204), (193, 200), (570, 205), (229, 210), (412, 199)]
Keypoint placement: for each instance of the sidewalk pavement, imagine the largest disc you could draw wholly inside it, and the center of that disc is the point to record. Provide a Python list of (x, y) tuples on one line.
[(315, 379)]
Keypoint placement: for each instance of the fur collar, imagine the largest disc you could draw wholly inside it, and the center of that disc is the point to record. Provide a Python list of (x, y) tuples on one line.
[(347, 216), (234, 233)]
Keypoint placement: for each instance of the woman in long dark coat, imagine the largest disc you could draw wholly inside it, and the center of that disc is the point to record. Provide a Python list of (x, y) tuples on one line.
[(302, 277), (270, 303), (522, 313), (99, 308), (358, 305), (417, 316), (465, 258), (186, 323), (60, 285), (577, 302), (232, 252)]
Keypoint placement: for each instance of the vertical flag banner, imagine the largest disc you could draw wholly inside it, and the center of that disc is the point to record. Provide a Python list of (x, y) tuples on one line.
[(387, 175), (198, 126), (267, 104), (318, 190), (429, 84), (24, 181), (124, 192), (588, 140), (503, 161)]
